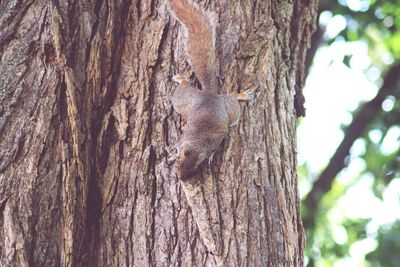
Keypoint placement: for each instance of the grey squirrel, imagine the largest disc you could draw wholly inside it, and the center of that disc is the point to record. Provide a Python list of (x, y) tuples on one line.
[(208, 115)]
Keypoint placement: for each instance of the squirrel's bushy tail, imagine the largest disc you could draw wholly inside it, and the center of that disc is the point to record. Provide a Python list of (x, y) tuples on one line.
[(200, 41)]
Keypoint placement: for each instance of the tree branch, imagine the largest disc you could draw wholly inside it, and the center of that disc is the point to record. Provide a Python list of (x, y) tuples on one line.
[(357, 128)]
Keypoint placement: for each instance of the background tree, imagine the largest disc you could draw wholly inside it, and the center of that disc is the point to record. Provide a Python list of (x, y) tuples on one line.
[(376, 24), (87, 130)]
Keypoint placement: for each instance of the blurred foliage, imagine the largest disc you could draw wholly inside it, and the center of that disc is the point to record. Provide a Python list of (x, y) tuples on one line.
[(387, 252), (377, 23)]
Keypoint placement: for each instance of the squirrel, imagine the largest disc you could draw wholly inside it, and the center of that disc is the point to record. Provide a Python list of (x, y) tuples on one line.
[(208, 114)]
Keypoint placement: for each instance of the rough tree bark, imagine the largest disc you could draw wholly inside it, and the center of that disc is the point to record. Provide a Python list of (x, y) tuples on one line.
[(87, 131)]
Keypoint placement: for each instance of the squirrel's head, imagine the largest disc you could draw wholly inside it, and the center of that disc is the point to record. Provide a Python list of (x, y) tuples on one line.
[(190, 157)]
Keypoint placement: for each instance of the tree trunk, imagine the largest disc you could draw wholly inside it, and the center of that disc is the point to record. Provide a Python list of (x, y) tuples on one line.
[(87, 176)]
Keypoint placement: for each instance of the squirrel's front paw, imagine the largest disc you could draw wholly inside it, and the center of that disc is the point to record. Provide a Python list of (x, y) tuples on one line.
[(247, 95)]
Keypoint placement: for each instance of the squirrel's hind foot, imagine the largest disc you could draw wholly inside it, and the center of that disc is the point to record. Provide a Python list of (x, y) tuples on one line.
[(179, 78)]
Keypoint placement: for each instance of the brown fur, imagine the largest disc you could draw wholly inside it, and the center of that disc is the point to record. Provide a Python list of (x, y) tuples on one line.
[(200, 44), (208, 115)]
